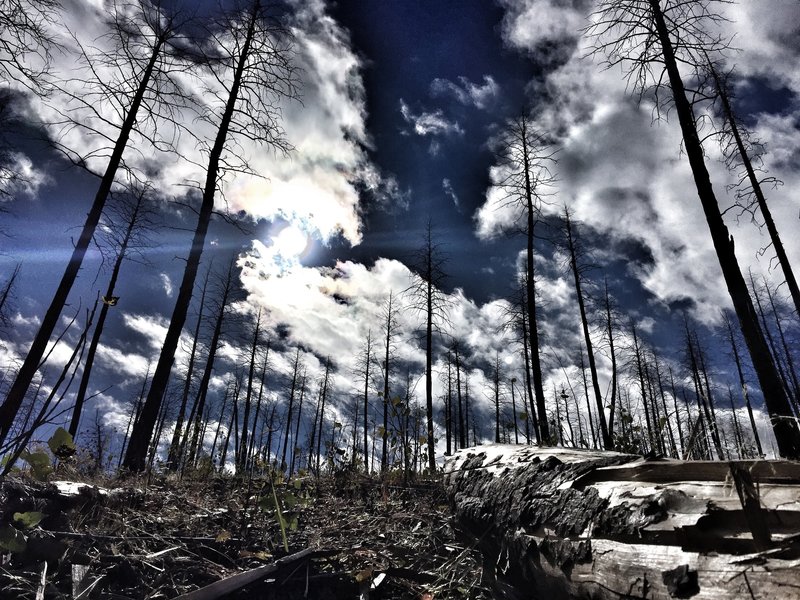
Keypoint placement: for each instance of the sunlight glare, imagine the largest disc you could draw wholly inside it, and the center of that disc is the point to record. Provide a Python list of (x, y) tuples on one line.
[(291, 243)]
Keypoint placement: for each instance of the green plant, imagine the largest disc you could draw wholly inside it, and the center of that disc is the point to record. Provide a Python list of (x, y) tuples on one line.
[(284, 503)]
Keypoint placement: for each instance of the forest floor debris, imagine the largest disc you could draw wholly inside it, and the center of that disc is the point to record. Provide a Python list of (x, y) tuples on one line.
[(134, 539)]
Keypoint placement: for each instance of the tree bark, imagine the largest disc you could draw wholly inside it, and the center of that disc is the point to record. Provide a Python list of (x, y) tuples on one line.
[(564, 523)]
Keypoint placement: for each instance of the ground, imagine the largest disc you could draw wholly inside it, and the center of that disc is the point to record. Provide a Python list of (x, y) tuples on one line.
[(160, 537)]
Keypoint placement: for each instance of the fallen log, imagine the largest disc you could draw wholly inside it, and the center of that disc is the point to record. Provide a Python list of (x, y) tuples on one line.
[(567, 523)]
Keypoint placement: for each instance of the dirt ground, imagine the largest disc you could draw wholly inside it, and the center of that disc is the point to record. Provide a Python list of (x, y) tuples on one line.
[(163, 537)]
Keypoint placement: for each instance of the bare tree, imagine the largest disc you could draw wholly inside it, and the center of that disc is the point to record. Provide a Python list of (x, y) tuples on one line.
[(575, 254), (287, 426), (136, 213), (525, 158), (389, 332), (243, 447), (652, 37), (174, 455), (7, 295), (609, 314), (249, 58), (26, 41), (740, 155), (363, 365), (144, 87), (428, 298), (226, 289)]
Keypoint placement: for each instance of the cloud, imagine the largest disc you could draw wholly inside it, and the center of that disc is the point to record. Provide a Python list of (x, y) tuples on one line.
[(767, 43), (450, 192), (317, 184), (470, 94), (19, 177), (625, 176), (152, 329), (528, 25), (429, 123), (118, 361), (166, 283)]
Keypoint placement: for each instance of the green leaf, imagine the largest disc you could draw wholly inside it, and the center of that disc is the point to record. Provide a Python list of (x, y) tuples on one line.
[(290, 500), (267, 503), (12, 540), (293, 523), (297, 484), (62, 444), (39, 463), (27, 520)]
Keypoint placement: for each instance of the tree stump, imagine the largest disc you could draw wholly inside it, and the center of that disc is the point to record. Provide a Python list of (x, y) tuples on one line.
[(567, 523)]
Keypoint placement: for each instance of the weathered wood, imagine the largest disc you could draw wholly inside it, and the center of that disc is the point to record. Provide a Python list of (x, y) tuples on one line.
[(566, 523), (234, 583)]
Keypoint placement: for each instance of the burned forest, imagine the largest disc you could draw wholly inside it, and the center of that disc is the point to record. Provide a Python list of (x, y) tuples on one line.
[(387, 300)]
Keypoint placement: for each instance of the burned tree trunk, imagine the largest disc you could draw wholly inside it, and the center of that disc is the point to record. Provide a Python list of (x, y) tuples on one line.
[(568, 523)]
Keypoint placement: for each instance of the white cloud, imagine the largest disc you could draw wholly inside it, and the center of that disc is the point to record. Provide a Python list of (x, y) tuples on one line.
[(153, 329), (114, 359), (166, 283), (429, 123), (766, 36), (471, 94), (20, 178), (529, 24)]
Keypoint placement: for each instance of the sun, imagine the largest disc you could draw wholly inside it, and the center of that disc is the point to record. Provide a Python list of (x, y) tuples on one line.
[(291, 243)]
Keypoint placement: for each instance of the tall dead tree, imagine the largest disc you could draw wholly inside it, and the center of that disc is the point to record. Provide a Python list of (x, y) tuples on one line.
[(137, 216), (574, 250), (390, 329), (462, 437), (7, 295), (251, 449), (243, 446), (524, 159), (609, 327), (363, 364), (173, 456), (296, 435), (248, 59), (323, 396), (145, 87), (653, 37), (289, 407), (740, 155), (428, 299), (538, 414), (192, 434)]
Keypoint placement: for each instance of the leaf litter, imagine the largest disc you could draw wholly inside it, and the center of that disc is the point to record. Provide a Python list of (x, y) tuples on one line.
[(348, 536)]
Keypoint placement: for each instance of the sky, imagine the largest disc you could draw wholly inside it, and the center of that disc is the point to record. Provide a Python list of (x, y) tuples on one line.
[(399, 111)]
